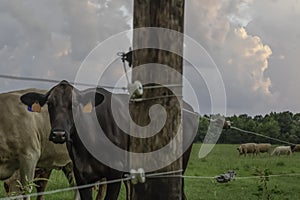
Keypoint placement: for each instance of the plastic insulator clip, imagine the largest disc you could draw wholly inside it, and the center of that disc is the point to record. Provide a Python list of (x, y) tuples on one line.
[(222, 124), (227, 125), (126, 56), (137, 176), (135, 89)]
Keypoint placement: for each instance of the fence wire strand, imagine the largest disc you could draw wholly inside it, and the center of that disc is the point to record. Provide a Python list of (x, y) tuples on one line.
[(261, 135), (65, 189), (244, 131), (86, 186), (11, 77), (154, 175), (57, 81)]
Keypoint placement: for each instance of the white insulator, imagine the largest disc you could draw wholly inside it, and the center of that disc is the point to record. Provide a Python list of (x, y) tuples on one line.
[(137, 176), (228, 123), (135, 89), (133, 176), (141, 175)]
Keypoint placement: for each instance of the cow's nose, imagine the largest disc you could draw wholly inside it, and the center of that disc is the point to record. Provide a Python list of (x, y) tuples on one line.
[(59, 133), (58, 136)]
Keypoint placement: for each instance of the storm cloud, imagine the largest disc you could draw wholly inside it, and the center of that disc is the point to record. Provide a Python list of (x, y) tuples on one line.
[(255, 50)]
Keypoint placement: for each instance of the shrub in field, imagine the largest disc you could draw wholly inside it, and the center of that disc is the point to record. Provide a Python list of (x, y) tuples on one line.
[(263, 190)]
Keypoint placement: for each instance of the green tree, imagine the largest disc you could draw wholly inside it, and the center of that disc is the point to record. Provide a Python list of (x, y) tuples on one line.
[(269, 127)]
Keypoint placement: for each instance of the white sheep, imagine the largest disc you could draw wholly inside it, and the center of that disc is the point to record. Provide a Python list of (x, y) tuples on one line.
[(282, 150)]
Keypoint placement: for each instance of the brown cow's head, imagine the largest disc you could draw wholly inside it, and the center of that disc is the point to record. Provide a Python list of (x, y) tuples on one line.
[(61, 100)]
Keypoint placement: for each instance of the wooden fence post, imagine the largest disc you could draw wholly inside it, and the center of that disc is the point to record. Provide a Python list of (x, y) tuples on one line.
[(168, 14)]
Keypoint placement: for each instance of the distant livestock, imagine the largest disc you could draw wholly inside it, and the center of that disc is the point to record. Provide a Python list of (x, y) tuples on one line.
[(247, 148), (24, 143), (263, 148), (296, 148), (282, 150)]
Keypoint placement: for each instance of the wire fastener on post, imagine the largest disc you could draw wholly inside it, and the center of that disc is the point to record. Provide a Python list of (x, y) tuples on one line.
[(137, 176), (135, 89), (124, 58)]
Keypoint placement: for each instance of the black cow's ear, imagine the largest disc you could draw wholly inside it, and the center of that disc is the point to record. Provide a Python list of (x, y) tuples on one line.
[(98, 98), (34, 101), (87, 100)]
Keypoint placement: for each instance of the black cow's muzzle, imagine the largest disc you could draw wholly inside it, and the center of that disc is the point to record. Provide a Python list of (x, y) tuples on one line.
[(58, 136)]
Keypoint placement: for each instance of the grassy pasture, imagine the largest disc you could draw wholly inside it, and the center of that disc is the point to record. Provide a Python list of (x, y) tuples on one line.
[(221, 159), (225, 157)]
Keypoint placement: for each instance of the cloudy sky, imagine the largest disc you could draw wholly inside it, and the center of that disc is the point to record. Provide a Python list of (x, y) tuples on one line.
[(255, 45)]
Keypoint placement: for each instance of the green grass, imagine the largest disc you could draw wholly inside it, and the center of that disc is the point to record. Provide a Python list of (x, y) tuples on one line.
[(221, 159), (225, 157)]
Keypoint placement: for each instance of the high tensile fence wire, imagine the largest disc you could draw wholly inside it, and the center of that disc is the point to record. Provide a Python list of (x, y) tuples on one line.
[(244, 131), (261, 135), (56, 81), (23, 78), (87, 185), (171, 174)]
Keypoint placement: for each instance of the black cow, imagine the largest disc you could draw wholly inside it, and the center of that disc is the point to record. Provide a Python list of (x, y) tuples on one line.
[(63, 99), (87, 169)]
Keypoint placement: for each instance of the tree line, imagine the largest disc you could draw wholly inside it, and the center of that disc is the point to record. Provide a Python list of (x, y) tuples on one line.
[(283, 125)]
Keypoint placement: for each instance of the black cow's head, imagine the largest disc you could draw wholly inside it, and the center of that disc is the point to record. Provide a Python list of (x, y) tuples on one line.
[(61, 100), (293, 147)]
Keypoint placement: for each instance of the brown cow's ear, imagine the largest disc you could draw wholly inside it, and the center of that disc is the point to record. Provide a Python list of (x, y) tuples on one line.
[(87, 108)]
